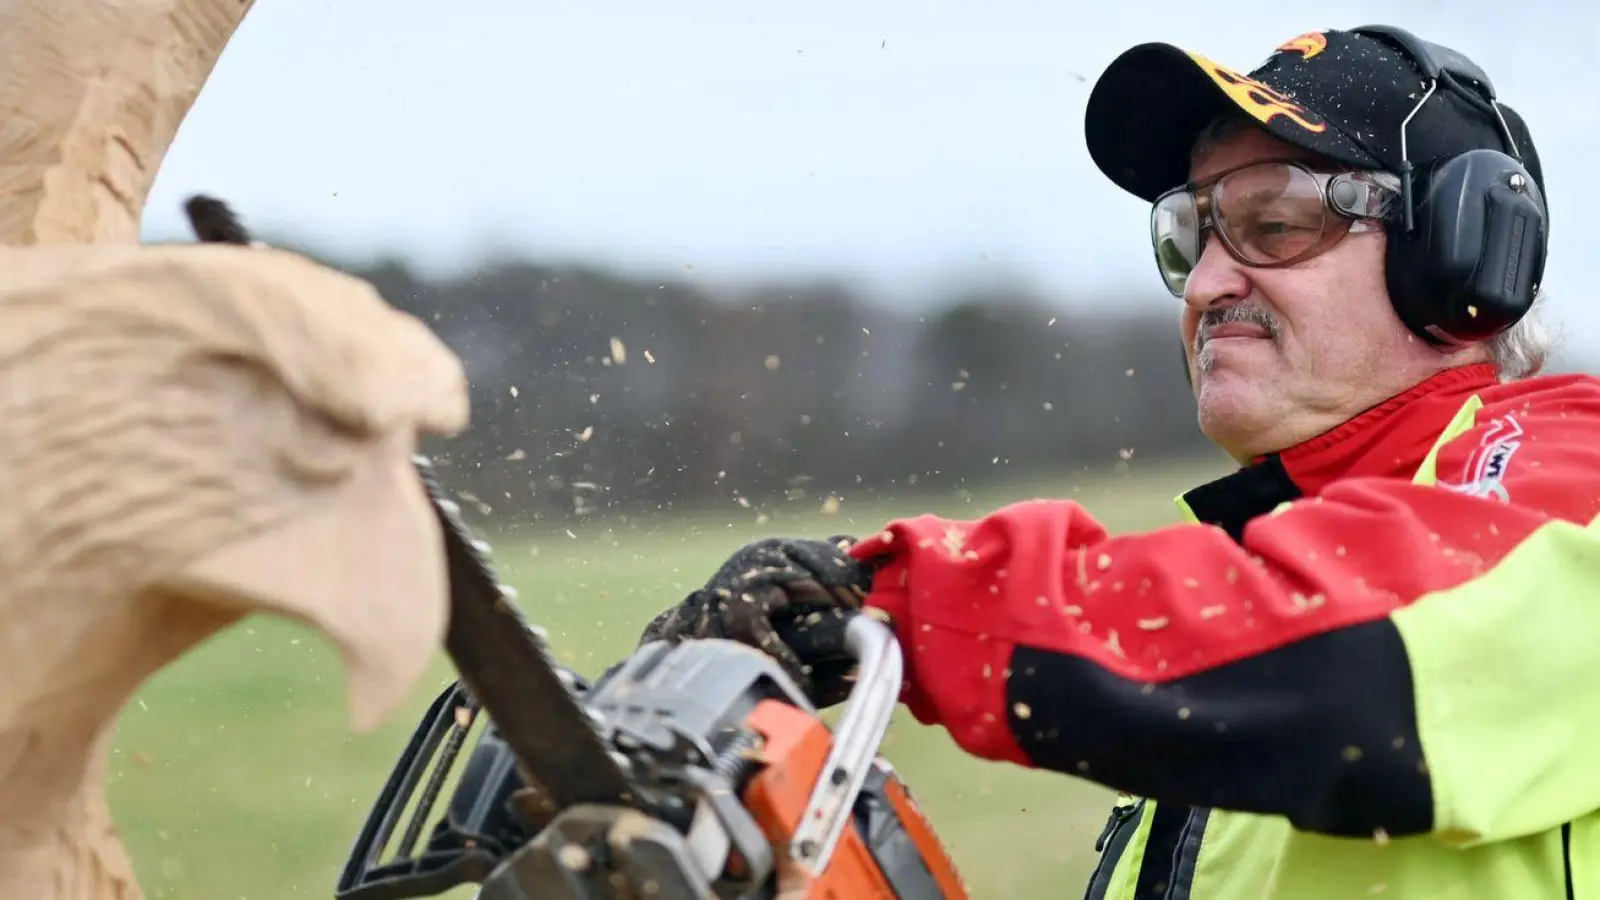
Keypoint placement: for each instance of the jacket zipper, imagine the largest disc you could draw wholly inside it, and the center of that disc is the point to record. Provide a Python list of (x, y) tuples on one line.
[(1110, 844)]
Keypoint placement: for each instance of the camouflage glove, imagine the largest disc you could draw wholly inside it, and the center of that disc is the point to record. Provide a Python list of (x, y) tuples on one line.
[(801, 587)]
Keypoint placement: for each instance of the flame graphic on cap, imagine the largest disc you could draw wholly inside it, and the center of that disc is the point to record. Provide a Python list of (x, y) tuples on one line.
[(1256, 98), (1307, 45)]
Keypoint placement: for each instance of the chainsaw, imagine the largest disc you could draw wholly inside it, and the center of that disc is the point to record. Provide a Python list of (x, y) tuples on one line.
[(686, 772), (689, 771)]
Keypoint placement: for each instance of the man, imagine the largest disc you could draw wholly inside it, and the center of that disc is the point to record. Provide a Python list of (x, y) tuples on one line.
[(1368, 664)]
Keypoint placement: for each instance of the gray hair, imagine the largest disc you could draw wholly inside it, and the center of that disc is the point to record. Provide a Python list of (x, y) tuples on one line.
[(1524, 349), (1521, 351)]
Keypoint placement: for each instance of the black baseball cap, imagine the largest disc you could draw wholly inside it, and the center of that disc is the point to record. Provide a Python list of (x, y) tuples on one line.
[(1338, 94)]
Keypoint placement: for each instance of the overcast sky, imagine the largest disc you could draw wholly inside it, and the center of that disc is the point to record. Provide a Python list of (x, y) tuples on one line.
[(904, 143)]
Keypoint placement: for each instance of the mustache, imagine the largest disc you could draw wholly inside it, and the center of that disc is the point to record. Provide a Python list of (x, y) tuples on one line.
[(1231, 315)]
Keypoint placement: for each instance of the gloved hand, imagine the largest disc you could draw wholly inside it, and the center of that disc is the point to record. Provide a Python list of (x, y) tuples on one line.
[(802, 586)]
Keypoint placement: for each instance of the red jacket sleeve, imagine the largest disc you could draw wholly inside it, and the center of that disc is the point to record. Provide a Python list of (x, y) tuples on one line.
[(1183, 665)]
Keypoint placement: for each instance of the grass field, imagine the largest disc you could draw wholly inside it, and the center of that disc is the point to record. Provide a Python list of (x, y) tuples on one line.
[(236, 776)]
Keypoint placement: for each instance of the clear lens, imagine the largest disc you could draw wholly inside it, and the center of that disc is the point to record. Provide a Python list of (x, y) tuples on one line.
[(1175, 234), (1267, 214), (1270, 214)]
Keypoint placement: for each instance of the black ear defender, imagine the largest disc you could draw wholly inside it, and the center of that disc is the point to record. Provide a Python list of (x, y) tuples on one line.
[(1466, 259)]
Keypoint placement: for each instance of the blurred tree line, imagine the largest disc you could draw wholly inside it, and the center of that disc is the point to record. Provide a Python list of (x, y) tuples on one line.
[(594, 393)]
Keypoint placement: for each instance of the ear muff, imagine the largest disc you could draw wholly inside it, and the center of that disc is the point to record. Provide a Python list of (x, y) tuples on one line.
[(1471, 266), (1466, 254)]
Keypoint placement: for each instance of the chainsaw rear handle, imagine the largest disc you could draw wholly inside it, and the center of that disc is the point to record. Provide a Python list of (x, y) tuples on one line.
[(858, 737)]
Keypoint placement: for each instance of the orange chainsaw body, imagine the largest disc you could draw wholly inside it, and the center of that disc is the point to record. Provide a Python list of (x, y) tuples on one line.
[(793, 757)]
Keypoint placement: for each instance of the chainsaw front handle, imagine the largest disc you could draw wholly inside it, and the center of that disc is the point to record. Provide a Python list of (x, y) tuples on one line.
[(857, 739)]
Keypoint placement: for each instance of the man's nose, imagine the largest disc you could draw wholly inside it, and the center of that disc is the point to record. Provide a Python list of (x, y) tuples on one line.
[(1217, 278)]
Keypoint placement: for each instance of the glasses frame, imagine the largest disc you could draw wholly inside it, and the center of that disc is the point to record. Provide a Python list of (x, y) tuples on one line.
[(1359, 200)]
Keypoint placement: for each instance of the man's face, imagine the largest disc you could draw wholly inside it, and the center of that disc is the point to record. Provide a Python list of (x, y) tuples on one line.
[(1278, 356)]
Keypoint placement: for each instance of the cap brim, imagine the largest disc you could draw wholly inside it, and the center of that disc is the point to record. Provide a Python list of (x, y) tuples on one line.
[(1150, 105)]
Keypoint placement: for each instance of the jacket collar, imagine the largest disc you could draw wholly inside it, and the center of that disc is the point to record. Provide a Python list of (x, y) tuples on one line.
[(1390, 439)]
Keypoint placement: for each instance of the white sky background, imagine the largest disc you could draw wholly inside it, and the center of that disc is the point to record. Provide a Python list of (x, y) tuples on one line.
[(911, 145)]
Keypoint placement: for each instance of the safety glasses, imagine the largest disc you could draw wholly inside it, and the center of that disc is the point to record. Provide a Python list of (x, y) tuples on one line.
[(1267, 214)]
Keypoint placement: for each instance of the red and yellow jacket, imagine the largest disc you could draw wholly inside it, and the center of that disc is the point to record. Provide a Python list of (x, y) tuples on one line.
[(1368, 663)]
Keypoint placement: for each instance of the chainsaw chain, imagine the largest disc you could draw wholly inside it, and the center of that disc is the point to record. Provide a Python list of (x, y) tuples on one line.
[(507, 666)]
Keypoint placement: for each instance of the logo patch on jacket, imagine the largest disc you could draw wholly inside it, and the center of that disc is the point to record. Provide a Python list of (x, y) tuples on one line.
[(1484, 473)]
